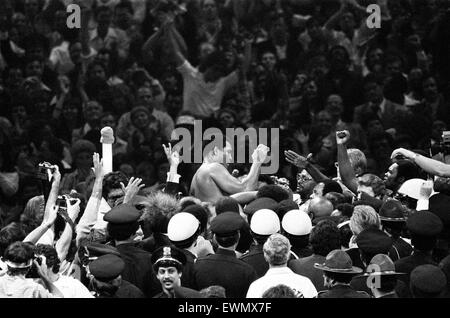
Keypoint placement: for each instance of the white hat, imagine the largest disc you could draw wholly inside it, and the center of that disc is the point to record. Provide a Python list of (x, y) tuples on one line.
[(182, 226), (265, 222), (411, 188), (296, 222)]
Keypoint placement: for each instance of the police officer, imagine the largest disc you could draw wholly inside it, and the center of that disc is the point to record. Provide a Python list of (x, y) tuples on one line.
[(122, 227), (168, 263), (264, 223), (296, 227), (183, 230), (382, 277), (393, 220), (338, 271), (370, 242), (223, 268), (106, 279), (424, 227)]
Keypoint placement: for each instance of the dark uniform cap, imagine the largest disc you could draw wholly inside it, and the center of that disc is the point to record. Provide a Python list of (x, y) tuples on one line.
[(392, 211), (259, 204), (123, 213), (97, 249), (107, 267), (339, 261), (428, 279), (168, 255), (227, 223), (374, 241), (424, 223)]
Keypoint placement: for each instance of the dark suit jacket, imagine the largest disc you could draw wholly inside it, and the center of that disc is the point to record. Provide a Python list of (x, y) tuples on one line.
[(342, 291), (305, 266), (255, 258), (138, 269), (391, 117), (224, 269), (188, 277), (408, 264)]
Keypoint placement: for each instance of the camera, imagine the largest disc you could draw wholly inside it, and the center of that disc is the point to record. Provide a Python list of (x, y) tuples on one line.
[(45, 171), (61, 201), (443, 146)]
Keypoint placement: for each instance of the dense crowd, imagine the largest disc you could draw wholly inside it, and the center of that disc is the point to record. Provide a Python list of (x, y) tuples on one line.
[(359, 207)]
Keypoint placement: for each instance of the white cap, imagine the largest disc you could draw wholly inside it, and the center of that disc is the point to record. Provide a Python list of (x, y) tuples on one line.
[(265, 222), (296, 222), (182, 226), (411, 188)]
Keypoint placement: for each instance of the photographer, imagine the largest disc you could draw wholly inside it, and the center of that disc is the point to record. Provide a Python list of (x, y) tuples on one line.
[(19, 258)]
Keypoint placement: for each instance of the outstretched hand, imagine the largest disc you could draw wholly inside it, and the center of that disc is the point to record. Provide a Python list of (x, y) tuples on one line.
[(172, 155), (98, 166), (296, 159), (133, 187)]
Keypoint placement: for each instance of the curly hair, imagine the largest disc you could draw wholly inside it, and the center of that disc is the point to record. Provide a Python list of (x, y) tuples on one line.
[(112, 181), (19, 252), (11, 233), (277, 249), (51, 256), (325, 237), (279, 291), (274, 192)]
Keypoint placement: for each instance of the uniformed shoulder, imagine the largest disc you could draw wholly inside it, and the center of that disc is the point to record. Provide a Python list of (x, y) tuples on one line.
[(214, 260)]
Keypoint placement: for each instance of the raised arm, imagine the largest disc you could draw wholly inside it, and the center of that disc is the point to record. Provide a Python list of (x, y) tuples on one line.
[(63, 244), (35, 235), (173, 178), (345, 168), (430, 166), (86, 13), (174, 50), (64, 85), (303, 163), (90, 213), (332, 21)]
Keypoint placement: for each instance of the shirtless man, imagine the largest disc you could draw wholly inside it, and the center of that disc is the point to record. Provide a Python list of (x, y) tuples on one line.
[(213, 181)]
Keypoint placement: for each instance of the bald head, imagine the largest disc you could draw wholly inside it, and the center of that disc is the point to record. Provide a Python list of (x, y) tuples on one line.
[(320, 207)]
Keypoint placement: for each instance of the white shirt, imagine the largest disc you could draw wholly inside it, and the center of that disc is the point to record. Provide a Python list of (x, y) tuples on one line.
[(200, 98), (72, 288), (285, 276)]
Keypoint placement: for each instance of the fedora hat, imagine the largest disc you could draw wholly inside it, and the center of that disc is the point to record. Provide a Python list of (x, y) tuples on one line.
[(338, 261)]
